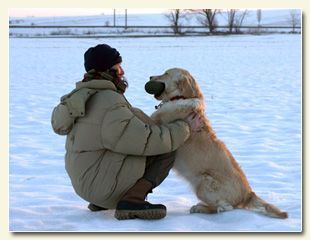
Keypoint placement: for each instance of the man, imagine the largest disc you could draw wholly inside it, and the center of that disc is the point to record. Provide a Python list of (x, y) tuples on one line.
[(115, 155)]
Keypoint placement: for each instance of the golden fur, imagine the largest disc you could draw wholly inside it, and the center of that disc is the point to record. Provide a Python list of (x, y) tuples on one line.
[(204, 160)]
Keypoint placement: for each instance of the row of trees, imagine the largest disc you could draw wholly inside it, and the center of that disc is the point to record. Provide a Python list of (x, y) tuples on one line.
[(208, 18)]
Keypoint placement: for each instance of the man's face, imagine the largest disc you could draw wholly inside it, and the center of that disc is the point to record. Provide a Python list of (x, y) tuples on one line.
[(118, 70)]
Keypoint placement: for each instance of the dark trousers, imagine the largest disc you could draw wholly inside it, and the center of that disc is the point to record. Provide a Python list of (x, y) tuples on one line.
[(157, 167)]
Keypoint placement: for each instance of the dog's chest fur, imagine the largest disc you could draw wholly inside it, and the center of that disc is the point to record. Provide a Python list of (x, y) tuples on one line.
[(185, 164), (177, 109)]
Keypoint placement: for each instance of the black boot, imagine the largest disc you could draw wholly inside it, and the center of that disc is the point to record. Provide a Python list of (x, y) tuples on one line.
[(94, 208), (133, 204)]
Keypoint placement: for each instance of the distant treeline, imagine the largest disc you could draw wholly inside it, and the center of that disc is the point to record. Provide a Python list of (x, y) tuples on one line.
[(176, 19), (235, 19)]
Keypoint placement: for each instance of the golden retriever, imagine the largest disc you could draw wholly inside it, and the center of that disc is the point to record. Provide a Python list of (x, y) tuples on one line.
[(204, 160)]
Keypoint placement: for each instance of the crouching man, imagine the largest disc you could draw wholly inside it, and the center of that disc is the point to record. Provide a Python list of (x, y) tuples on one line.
[(115, 155)]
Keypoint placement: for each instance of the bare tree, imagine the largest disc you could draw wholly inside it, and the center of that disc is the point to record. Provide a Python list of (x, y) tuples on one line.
[(294, 19), (235, 19), (175, 17), (239, 18), (231, 14), (208, 18)]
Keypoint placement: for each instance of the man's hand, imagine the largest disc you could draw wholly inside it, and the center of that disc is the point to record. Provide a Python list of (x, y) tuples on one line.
[(194, 121)]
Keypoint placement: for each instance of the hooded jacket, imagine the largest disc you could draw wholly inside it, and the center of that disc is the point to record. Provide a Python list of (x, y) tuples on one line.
[(108, 140)]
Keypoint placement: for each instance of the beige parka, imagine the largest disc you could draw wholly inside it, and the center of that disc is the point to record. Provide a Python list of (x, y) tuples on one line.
[(108, 141)]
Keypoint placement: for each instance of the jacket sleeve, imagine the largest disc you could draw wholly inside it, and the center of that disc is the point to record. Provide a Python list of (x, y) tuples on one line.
[(123, 132)]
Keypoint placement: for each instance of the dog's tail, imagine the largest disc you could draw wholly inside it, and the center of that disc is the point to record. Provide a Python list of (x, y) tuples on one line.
[(257, 204)]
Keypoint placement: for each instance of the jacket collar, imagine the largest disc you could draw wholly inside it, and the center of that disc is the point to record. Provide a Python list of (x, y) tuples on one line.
[(96, 84)]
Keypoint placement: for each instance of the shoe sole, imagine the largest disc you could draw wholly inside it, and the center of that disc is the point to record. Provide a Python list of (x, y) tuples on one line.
[(95, 208), (142, 214)]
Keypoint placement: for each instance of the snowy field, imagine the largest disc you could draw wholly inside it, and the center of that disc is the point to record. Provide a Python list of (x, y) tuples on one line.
[(252, 88)]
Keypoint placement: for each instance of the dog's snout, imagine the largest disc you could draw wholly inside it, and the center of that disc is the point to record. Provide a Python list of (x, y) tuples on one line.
[(151, 78)]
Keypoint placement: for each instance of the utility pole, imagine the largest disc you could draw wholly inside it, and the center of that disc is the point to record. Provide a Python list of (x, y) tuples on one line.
[(259, 16), (114, 20), (125, 18)]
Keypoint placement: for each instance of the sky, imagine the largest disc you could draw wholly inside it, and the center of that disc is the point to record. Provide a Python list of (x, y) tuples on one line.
[(45, 12)]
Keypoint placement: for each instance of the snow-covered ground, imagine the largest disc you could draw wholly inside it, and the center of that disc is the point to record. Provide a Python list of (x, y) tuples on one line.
[(252, 88)]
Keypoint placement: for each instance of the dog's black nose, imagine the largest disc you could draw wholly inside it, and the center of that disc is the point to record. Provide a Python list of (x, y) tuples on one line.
[(151, 77)]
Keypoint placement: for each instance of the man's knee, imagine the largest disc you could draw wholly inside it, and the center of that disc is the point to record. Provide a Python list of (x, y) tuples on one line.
[(166, 157), (158, 167)]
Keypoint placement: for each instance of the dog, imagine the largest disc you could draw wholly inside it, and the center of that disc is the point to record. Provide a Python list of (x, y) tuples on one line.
[(204, 160)]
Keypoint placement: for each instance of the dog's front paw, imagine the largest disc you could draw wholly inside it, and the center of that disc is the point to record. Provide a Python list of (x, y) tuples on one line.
[(156, 117), (203, 208), (199, 208)]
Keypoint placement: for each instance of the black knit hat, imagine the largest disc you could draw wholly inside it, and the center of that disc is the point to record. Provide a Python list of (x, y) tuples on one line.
[(101, 58)]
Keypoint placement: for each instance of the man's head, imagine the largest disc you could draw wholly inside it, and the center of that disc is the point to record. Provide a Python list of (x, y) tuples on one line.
[(101, 58)]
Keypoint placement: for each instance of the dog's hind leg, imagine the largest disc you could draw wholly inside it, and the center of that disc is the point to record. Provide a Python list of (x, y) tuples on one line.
[(204, 190), (224, 206)]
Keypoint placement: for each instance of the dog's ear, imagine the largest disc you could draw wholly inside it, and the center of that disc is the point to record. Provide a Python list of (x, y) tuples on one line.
[(188, 86)]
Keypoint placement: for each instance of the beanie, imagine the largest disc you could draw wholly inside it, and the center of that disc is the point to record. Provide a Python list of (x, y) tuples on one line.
[(101, 58)]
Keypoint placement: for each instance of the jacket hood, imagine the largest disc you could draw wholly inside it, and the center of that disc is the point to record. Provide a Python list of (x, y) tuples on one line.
[(72, 105)]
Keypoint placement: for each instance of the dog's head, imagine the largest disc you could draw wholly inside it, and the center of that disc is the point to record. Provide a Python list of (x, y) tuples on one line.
[(173, 84)]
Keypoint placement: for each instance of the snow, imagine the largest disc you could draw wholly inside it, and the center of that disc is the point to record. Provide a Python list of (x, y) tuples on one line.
[(252, 88)]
